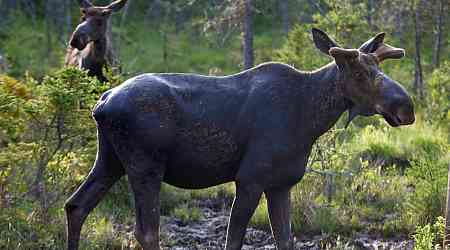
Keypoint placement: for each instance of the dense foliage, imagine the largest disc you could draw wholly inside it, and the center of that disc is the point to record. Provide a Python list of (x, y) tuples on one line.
[(367, 178)]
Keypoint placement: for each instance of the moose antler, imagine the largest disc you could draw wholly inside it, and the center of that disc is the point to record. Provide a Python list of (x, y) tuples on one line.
[(381, 50), (385, 51)]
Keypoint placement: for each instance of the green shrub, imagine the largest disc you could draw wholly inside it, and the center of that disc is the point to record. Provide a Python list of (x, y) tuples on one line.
[(429, 236), (187, 214), (428, 200), (172, 197), (325, 220), (299, 51), (260, 218), (46, 156), (438, 102), (28, 48)]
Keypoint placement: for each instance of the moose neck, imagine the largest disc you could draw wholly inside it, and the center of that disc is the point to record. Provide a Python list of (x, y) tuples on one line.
[(326, 99), (95, 58), (98, 51)]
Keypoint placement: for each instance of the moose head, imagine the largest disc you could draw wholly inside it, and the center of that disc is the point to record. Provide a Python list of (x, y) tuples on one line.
[(363, 83), (94, 22)]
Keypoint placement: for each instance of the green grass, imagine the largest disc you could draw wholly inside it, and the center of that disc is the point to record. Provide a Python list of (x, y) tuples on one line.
[(187, 214), (260, 218)]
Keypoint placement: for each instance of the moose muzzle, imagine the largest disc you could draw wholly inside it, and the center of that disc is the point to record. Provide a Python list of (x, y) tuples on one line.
[(396, 105)]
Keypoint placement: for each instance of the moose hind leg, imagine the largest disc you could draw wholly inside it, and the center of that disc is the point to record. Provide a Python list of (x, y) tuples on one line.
[(145, 175), (105, 172), (146, 194)]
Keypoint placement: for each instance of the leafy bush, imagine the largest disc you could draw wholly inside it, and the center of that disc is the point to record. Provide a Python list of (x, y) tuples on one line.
[(299, 50), (438, 103), (27, 47), (429, 198), (429, 236), (260, 218), (187, 214), (45, 154)]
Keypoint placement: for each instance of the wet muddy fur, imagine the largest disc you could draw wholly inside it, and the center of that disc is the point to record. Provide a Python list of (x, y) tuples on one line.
[(255, 128)]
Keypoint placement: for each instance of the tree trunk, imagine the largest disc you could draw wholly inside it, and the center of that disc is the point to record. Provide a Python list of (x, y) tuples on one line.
[(68, 21), (48, 27), (418, 75), (7, 7), (248, 35), (370, 13), (30, 9), (112, 51), (284, 11), (155, 11), (438, 34), (165, 50), (446, 242)]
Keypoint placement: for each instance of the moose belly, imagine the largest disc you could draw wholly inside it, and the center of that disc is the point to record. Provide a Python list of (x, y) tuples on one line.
[(202, 159), (189, 176)]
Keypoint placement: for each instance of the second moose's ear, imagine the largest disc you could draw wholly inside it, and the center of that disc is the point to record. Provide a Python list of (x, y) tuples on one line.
[(322, 41)]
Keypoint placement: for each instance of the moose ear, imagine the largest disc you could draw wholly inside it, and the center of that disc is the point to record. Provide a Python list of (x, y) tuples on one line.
[(322, 41), (85, 4), (116, 5), (373, 43)]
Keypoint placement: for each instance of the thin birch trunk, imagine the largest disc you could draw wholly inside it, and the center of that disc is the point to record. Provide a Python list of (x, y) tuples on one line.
[(284, 11), (446, 242), (248, 35), (438, 34), (418, 73)]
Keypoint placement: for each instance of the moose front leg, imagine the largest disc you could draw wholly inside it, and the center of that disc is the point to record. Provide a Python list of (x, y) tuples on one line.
[(245, 202), (278, 201)]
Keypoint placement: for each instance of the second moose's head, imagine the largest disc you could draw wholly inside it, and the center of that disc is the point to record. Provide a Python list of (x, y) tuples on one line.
[(88, 42)]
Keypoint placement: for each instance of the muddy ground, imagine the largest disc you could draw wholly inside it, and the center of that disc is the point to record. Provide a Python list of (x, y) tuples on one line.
[(209, 233)]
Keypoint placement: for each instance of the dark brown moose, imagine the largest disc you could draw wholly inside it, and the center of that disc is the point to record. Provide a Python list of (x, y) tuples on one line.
[(88, 44), (255, 128)]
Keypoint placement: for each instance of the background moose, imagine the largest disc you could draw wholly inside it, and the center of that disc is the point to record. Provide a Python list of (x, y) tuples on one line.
[(89, 44)]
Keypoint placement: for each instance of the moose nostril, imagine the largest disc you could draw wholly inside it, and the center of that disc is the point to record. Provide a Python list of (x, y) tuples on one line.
[(406, 113), (406, 118)]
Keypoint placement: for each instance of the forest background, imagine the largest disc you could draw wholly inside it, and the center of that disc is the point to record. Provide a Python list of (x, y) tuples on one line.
[(388, 182)]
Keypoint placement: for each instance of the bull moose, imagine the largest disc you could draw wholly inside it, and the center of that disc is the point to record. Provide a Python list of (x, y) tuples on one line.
[(88, 44), (254, 128)]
